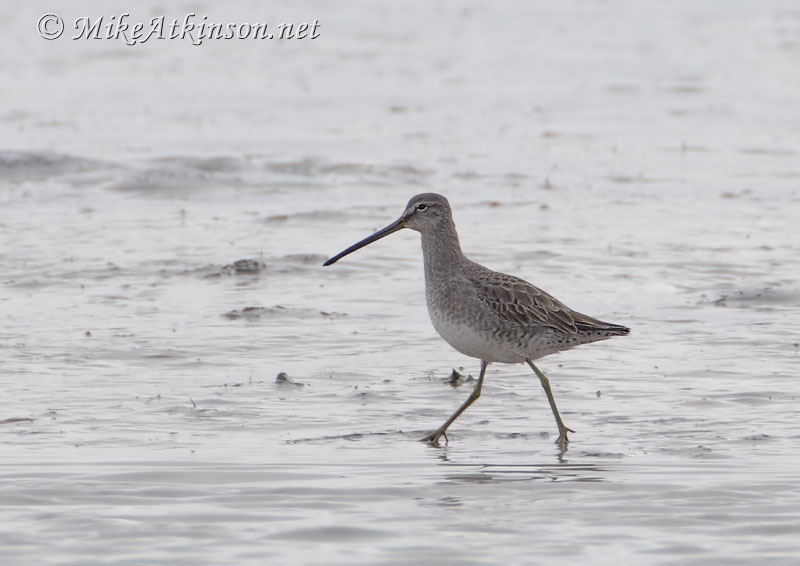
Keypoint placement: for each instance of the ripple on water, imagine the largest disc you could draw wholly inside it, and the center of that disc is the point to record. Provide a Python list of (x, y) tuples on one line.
[(33, 165)]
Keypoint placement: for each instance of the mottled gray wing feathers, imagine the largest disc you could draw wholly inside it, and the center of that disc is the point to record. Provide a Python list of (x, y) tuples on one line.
[(515, 300)]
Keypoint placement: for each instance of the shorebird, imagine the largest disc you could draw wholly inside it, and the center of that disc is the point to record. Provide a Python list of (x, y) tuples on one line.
[(485, 314)]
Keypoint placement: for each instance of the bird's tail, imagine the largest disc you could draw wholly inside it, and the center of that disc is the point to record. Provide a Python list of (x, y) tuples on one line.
[(589, 324), (615, 329)]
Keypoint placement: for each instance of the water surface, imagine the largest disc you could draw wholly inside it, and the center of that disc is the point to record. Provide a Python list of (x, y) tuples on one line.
[(166, 210)]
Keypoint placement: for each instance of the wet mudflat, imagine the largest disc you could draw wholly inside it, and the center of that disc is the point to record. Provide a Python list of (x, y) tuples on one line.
[(155, 284)]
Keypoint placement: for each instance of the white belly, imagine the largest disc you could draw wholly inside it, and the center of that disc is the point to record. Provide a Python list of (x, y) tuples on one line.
[(470, 341)]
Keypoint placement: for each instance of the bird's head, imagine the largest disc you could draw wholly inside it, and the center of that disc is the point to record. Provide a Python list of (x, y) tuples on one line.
[(423, 213)]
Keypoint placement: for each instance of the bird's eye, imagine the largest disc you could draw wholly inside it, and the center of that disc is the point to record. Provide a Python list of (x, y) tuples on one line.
[(422, 206)]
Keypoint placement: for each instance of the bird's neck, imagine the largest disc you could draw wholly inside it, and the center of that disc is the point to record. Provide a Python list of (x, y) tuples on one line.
[(440, 248)]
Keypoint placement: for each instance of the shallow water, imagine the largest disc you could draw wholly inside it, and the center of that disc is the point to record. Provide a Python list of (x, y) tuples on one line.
[(641, 165)]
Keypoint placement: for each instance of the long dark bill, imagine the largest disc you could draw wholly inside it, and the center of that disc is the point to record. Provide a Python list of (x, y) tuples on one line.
[(391, 228)]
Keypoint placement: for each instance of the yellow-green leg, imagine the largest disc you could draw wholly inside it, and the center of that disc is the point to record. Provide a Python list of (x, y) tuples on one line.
[(433, 438), (562, 428)]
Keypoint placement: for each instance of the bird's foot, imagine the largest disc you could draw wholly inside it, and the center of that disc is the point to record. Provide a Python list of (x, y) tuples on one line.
[(562, 441), (433, 438)]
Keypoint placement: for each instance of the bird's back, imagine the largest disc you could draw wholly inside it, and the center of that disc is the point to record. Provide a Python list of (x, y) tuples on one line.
[(502, 318)]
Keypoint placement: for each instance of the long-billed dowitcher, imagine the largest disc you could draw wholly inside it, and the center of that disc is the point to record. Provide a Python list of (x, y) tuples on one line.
[(485, 314)]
